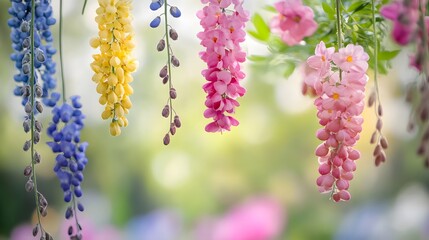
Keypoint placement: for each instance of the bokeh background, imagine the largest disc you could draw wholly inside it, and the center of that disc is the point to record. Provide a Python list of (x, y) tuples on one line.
[(256, 182)]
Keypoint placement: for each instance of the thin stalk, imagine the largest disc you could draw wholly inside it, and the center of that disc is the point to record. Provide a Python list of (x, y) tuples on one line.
[(63, 87), (375, 39), (84, 5), (424, 42), (168, 58), (339, 31), (32, 99)]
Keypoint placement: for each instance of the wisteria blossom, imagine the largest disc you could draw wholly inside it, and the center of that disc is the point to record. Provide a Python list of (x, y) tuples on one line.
[(223, 32), (294, 22), (339, 103), (405, 16)]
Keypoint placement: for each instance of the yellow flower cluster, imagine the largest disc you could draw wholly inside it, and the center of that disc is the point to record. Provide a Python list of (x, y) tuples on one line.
[(114, 64)]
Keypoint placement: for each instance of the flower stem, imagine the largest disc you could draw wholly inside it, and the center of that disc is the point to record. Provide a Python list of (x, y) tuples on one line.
[(32, 99), (375, 39), (167, 39), (339, 31), (63, 87), (84, 5)]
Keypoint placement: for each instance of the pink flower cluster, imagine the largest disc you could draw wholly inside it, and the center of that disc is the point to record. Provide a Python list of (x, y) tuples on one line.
[(223, 32), (340, 102), (294, 22), (405, 15)]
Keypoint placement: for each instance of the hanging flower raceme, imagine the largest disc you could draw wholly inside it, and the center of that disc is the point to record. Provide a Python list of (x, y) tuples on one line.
[(67, 122), (166, 71), (294, 22), (340, 102), (114, 64), (411, 27), (222, 35), (19, 23), (405, 16)]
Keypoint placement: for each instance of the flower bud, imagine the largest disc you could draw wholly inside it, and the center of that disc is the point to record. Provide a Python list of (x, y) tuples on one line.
[(371, 99), (28, 170), (172, 129), (25, 26), (173, 34), (161, 45), (173, 93), (39, 91), (165, 79), (27, 145), (175, 12), (26, 68), (177, 122), (40, 56), (166, 111), (28, 107), (379, 125), (35, 230), (39, 107), (37, 157), (383, 143), (29, 185), (155, 22), (26, 125), (175, 61), (164, 71), (380, 110), (38, 126), (166, 139), (36, 137)]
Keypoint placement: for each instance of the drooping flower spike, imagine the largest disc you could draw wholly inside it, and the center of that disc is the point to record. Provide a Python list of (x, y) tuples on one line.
[(340, 103), (70, 161), (411, 27), (222, 35), (166, 71), (114, 64), (31, 41), (44, 65), (294, 22)]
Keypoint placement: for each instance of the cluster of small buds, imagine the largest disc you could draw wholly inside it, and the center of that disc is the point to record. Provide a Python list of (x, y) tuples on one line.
[(114, 64), (377, 137), (223, 31), (67, 122), (44, 65), (165, 72), (339, 86), (31, 41), (419, 97), (410, 26)]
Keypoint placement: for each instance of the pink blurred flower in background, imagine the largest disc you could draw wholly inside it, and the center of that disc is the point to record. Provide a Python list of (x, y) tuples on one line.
[(256, 219), (91, 231), (405, 15), (294, 21)]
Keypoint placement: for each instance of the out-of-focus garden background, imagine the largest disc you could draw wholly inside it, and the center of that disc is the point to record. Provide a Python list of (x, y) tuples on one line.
[(256, 182)]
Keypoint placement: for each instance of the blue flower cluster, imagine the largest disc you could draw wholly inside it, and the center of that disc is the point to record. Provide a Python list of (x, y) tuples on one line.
[(67, 122), (44, 65), (157, 4)]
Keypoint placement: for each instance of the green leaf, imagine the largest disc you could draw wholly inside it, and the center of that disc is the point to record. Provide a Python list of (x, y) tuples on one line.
[(257, 58), (356, 5), (270, 8), (262, 30), (289, 69), (328, 10), (388, 55)]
